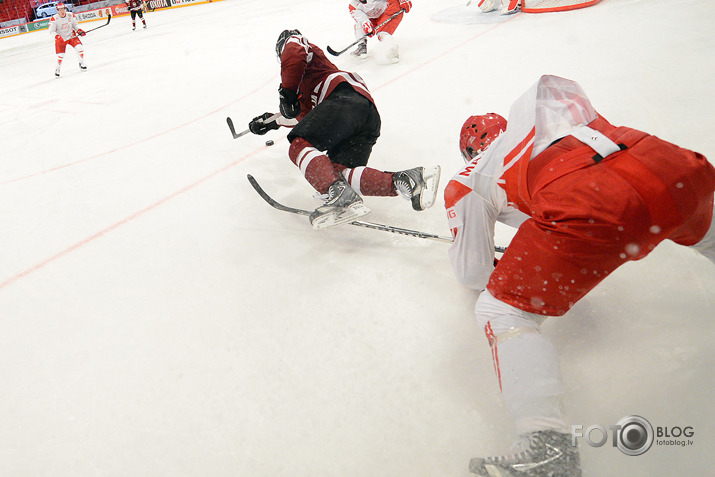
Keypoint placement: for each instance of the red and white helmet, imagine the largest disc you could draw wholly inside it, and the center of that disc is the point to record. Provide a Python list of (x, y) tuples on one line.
[(478, 132), (61, 4)]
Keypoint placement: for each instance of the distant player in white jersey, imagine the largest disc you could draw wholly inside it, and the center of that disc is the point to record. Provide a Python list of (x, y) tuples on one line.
[(63, 26), (368, 14), (586, 197), (136, 8)]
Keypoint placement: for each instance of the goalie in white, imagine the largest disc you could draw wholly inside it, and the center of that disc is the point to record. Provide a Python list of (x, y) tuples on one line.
[(506, 7)]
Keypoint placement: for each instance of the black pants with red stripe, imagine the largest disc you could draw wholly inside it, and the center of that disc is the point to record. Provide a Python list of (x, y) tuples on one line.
[(345, 126)]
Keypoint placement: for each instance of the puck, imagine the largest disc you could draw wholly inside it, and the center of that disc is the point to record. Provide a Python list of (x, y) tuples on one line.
[(269, 143)]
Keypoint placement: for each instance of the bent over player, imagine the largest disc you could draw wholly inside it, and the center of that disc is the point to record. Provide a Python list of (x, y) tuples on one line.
[(335, 124), (64, 27), (369, 14), (586, 197)]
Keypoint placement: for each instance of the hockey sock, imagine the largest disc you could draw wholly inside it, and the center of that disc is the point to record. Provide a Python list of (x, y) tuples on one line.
[(80, 52), (526, 365), (60, 57), (368, 181), (315, 166)]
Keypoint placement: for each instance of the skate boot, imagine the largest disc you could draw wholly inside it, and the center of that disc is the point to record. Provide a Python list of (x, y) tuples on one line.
[(342, 205), (510, 6), (83, 67), (361, 50), (57, 72), (546, 454), (418, 185)]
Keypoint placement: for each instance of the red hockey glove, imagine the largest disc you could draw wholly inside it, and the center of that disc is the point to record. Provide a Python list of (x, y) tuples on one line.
[(289, 103), (367, 28), (81, 32), (260, 127), (405, 5), (58, 38)]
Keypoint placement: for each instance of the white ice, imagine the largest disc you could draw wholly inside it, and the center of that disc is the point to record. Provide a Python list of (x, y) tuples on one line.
[(157, 318)]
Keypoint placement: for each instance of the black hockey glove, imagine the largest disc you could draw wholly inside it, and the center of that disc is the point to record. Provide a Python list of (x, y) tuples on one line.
[(258, 126), (290, 103)]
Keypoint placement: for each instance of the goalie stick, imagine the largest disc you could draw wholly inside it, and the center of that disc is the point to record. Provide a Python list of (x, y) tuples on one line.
[(109, 18), (243, 133), (338, 53), (359, 223)]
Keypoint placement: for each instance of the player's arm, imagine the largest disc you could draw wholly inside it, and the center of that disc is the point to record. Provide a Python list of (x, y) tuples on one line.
[(362, 19), (294, 60), (472, 221)]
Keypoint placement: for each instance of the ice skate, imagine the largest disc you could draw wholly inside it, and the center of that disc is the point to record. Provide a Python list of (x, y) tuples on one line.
[(57, 72), (134, 27), (546, 454), (361, 50), (418, 185), (83, 67), (342, 205), (510, 6)]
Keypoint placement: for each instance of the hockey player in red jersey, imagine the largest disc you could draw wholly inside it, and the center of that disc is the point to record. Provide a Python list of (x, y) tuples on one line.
[(586, 197), (335, 124), (64, 28), (136, 8), (368, 14)]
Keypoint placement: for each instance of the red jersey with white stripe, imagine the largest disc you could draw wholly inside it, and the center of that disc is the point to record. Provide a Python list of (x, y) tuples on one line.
[(306, 69), (63, 26)]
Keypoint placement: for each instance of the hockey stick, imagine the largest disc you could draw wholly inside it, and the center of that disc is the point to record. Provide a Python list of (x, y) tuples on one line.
[(109, 18), (243, 133), (359, 223), (338, 53)]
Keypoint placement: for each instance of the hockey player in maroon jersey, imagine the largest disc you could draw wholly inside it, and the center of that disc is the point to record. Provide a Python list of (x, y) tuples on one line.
[(64, 27), (334, 126), (136, 7), (368, 14), (586, 197)]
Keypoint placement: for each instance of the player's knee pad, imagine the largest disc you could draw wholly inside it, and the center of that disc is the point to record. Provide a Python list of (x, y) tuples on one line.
[(501, 320)]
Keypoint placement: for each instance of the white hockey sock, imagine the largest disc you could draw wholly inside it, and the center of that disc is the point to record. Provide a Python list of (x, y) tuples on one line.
[(707, 245), (526, 365)]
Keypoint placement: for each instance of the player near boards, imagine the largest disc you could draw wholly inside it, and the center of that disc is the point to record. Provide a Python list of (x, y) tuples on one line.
[(136, 8), (335, 125), (586, 197), (506, 7), (368, 14), (64, 27)]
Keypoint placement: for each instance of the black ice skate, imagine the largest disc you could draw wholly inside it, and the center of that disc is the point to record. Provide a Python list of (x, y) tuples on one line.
[(547, 454), (57, 72), (343, 205), (418, 185), (83, 67), (361, 50)]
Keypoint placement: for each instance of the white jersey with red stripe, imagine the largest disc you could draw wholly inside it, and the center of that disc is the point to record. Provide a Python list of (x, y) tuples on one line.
[(63, 26), (370, 9), (476, 198)]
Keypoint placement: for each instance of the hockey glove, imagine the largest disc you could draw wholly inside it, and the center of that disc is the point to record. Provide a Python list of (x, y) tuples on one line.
[(258, 126), (58, 38), (367, 28), (289, 103), (81, 32), (405, 5)]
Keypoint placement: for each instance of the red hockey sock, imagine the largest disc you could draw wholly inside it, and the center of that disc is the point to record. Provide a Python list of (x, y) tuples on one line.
[(315, 166), (369, 181)]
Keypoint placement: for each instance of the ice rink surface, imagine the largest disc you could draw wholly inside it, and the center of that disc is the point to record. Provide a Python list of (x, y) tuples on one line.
[(159, 319)]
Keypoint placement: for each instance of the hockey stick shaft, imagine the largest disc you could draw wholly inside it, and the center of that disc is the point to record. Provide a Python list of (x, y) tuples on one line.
[(338, 53), (236, 135), (358, 223), (109, 18)]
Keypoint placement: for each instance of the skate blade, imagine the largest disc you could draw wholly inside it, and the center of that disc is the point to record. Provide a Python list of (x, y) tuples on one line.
[(429, 193), (340, 217)]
